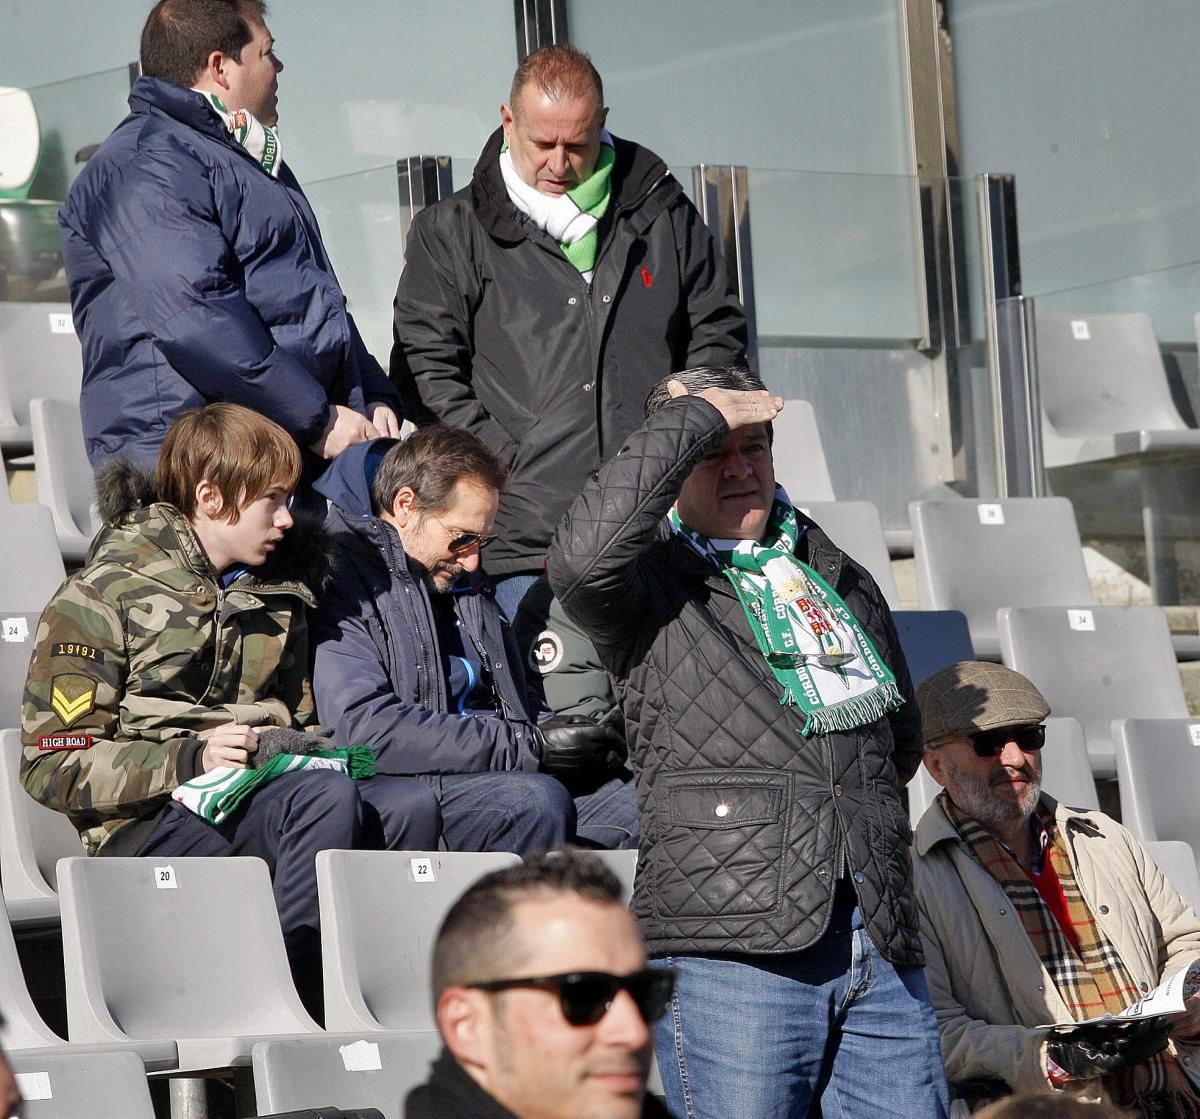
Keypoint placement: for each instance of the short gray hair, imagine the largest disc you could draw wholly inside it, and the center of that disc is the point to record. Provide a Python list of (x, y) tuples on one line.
[(702, 377)]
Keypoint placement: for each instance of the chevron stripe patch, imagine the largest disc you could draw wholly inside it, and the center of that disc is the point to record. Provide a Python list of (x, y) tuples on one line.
[(72, 696)]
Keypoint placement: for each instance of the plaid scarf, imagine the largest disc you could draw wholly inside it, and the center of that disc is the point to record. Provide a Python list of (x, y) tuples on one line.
[(1091, 982), (815, 647)]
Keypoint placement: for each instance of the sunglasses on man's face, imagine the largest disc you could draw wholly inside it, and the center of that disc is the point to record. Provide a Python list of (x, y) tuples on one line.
[(586, 996), (460, 542), (990, 743)]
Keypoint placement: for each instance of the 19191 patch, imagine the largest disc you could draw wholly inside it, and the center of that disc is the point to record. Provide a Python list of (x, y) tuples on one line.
[(76, 649), (547, 652), (72, 696)]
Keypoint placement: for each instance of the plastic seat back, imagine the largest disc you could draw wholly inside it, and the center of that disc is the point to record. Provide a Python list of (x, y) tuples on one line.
[(1158, 767), (1177, 861), (799, 455), (977, 556), (68, 1085), (1066, 768), (65, 483), (856, 528), (380, 912), (176, 948), (373, 1072), (39, 356), (1096, 664), (31, 565)]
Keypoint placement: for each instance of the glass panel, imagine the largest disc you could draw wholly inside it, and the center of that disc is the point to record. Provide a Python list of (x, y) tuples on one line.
[(359, 216), (44, 132), (766, 84), (1091, 104)]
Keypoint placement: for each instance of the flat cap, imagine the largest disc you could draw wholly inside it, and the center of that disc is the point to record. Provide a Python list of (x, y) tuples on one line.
[(971, 696)]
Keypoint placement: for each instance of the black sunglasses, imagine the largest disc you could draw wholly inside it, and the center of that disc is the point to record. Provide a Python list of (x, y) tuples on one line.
[(586, 996), (990, 743), (465, 541)]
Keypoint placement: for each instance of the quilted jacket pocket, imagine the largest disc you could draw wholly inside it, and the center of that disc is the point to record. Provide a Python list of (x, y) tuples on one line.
[(722, 831)]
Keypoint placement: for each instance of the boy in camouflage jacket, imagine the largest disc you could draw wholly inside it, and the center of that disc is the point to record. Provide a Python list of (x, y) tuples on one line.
[(176, 649)]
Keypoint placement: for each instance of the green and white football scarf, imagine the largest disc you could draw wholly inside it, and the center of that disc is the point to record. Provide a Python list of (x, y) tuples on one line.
[(816, 648), (259, 141), (219, 793), (571, 218)]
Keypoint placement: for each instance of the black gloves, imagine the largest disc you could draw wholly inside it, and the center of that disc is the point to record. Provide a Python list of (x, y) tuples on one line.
[(575, 748), (1098, 1050), (284, 740)]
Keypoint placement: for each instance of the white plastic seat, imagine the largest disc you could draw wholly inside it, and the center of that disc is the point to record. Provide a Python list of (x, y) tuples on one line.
[(1096, 664), (32, 840), (1158, 767), (856, 528), (31, 565), (39, 356), (624, 865), (375, 1071), (799, 456), (380, 911), (1178, 864), (20, 142), (181, 949), (65, 483), (977, 556), (63, 1084)]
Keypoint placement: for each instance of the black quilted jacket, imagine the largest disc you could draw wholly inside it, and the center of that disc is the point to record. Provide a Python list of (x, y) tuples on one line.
[(746, 824)]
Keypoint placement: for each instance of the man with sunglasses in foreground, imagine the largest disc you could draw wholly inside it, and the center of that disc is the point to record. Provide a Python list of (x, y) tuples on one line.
[(1036, 913), (415, 659), (543, 999)]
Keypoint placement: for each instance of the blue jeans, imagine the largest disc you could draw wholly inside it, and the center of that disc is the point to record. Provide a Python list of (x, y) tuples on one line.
[(766, 1037)]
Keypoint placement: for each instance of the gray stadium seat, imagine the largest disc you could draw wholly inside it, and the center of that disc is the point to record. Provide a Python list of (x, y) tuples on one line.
[(624, 865), (1065, 772), (68, 1085), (376, 1071), (380, 911), (1178, 864), (31, 565), (932, 639), (181, 949), (1096, 664), (1105, 399), (976, 556), (39, 356), (18, 628), (800, 465), (65, 483), (855, 527), (32, 840), (1158, 766)]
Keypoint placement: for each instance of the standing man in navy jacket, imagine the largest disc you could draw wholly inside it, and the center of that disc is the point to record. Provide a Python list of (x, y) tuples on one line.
[(195, 264)]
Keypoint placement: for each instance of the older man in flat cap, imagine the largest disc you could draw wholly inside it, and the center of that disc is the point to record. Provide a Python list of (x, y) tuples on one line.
[(1033, 913)]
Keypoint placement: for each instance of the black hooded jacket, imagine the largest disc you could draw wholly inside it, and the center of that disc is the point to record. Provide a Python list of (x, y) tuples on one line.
[(496, 331)]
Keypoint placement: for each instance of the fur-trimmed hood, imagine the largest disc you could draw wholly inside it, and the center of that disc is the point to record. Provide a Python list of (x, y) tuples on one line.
[(305, 553)]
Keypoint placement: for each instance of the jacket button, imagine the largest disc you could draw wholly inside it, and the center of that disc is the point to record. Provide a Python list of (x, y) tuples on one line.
[(1104, 909), (837, 790), (858, 876), (722, 810), (1040, 987), (822, 872), (588, 386), (572, 301), (1144, 985), (608, 299), (1003, 912)]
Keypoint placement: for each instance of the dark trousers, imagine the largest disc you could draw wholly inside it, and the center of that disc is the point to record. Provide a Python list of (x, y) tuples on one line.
[(285, 824)]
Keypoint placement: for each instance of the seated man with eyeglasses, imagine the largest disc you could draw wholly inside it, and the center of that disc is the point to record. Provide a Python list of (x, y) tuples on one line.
[(415, 659), (543, 999), (1035, 913)]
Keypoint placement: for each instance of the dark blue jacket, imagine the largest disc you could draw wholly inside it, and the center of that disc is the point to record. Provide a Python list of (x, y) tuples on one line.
[(196, 276), (378, 675)]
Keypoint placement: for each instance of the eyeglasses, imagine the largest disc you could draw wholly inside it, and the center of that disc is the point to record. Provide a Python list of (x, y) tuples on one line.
[(464, 541), (990, 743), (586, 996)]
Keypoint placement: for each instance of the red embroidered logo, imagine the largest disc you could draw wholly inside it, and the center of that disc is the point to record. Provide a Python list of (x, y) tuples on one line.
[(65, 742), (647, 279)]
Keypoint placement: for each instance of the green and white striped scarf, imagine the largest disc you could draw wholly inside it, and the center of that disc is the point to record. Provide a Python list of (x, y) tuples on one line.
[(821, 656), (259, 141), (219, 793), (572, 218)]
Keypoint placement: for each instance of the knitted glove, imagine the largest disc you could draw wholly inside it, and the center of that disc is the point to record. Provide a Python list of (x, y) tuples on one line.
[(284, 740), (1098, 1050), (573, 747)]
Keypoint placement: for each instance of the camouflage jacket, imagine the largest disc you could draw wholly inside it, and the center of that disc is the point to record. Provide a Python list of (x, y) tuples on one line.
[(142, 654)]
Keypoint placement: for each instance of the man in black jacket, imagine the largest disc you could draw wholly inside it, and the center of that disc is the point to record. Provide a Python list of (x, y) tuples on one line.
[(543, 999), (771, 725), (540, 303)]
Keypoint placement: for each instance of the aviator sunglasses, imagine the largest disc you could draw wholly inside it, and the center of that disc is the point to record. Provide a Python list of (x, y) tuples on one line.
[(990, 743), (464, 541), (586, 996)]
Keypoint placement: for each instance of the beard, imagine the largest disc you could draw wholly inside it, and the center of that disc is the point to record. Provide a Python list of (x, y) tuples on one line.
[(975, 795)]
